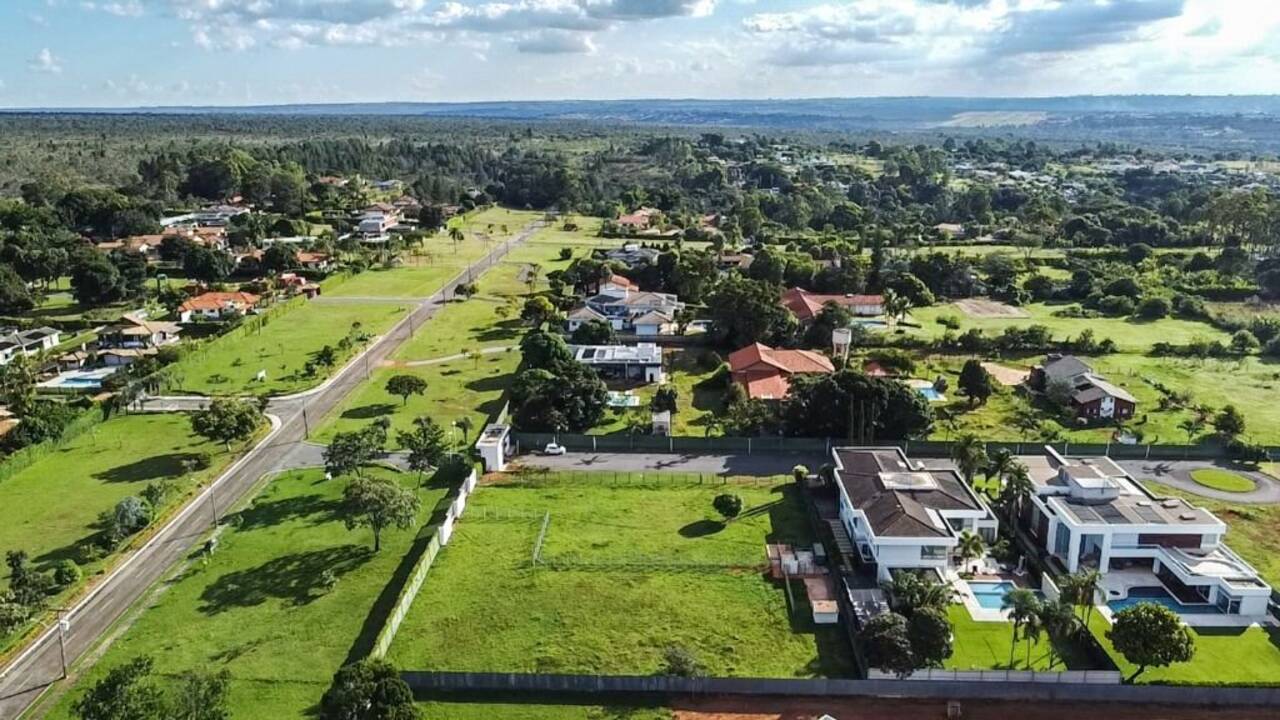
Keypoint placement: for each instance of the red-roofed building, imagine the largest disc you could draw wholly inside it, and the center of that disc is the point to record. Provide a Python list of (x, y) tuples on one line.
[(805, 305), (641, 219), (216, 305), (766, 373)]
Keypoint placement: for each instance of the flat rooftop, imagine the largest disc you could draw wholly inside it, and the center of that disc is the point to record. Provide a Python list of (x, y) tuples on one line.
[(642, 354)]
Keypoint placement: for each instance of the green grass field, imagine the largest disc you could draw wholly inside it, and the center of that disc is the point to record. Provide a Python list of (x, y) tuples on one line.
[(51, 508), (987, 646), (1129, 335), (1226, 656), (613, 604), (471, 387), (282, 346), (257, 607), (697, 405), (1223, 480)]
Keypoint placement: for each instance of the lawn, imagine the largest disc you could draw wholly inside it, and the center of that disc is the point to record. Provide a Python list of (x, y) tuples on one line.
[(986, 646), (257, 607), (470, 386), (605, 597), (1230, 656), (50, 509), (281, 344), (1223, 480), (1129, 335)]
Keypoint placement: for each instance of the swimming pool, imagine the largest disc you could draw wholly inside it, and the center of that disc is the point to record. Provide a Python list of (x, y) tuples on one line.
[(1160, 596), (930, 394), (990, 595)]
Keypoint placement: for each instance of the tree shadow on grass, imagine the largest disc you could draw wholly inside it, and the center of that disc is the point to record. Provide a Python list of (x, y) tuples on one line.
[(367, 412), (268, 513), (294, 578), (701, 528), (152, 468), (493, 383)]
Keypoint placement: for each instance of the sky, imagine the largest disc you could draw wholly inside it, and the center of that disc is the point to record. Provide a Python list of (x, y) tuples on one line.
[(124, 53)]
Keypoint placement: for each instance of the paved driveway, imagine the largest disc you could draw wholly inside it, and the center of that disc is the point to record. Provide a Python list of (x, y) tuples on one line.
[(1177, 473), (760, 465)]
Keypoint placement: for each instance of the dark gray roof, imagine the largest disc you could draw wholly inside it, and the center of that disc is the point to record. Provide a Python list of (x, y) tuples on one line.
[(901, 511), (1065, 367)]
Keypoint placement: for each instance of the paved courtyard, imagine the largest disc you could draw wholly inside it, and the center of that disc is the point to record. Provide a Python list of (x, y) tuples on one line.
[(1177, 473)]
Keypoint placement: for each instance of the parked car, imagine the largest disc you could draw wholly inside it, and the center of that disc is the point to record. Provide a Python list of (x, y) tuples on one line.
[(553, 449)]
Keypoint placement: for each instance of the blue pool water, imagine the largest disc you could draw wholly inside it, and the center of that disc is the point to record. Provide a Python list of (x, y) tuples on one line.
[(990, 595), (930, 394), (1160, 596)]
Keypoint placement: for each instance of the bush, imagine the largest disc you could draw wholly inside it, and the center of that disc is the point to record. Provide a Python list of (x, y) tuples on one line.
[(1116, 305), (66, 573), (566, 253), (728, 505), (680, 662), (949, 321), (1154, 308)]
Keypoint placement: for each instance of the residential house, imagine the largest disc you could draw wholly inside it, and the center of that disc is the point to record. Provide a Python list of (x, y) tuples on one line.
[(315, 261), (218, 215), (622, 362), (148, 246), (407, 206), (217, 305), (628, 309), (765, 373), (26, 342), (1092, 396), (135, 331), (632, 255), (902, 515), (295, 284), (1090, 513), (805, 305), (292, 240), (641, 219), (378, 219)]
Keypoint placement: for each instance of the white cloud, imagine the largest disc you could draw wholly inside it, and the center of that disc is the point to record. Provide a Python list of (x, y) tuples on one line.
[(46, 62), (556, 42), (127, 8)]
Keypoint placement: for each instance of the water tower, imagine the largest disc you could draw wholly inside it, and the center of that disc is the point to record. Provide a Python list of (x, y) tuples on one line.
[(841, 339)]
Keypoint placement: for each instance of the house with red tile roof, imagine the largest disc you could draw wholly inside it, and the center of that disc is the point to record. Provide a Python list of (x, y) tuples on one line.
[(765, 373), (805, 305), (641, 219), (216, 305)]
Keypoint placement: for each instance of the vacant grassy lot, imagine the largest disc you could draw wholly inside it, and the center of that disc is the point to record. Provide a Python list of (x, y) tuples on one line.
[(51, 508), (605, 597), (1232, 656), (281, 346), (258, 608), (429, 267), (988, 646), (1129, 335)]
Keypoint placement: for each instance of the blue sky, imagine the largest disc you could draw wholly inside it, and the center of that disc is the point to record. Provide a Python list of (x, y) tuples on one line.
[(63, 53)]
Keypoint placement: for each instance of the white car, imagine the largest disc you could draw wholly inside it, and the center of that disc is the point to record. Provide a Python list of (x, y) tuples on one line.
[(553, 449)]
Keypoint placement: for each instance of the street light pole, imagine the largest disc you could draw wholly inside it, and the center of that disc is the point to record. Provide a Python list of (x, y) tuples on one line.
[(213, 507), (306, 426), (64, 626)]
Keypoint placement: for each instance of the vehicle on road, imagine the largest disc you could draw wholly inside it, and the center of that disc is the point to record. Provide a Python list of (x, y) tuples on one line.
[(553, 449)]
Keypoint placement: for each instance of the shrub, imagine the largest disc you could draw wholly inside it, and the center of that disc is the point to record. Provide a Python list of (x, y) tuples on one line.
[(1154, 308), (728, 505), (566, 253), (66, 572), (949, 321), (1116, 305), (680, 662)]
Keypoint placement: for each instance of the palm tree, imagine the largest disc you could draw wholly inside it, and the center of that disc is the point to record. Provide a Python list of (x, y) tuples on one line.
[(1033, 628), (1021, 604), (1085, 584), (1192, 426), (999, 463), (1059, 622), (457, 236), (971, 547), (969, 454), (908, 593), (464, 424), (1018, 486)]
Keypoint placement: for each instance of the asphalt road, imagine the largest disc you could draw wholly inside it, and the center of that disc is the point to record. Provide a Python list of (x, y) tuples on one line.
[(759, 465), (26, 678)]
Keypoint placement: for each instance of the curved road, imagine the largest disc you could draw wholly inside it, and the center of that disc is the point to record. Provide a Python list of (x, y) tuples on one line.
[(25, 679)]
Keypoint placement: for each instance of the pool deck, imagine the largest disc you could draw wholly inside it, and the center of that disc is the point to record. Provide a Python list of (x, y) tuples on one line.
[(970, 601)]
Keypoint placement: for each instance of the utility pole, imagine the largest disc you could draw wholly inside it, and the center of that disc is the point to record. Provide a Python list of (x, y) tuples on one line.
[(306, 426), (64, 626), (213, 507)]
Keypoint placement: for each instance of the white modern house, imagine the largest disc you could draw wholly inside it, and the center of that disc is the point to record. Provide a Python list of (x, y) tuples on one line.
[(902, 515), (622, 362), (1090, 513), (26, 342), (628, 310)]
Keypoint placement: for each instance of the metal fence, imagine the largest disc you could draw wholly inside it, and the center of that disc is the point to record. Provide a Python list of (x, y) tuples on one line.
[(529, 442), (425, 683), (1087, 677)]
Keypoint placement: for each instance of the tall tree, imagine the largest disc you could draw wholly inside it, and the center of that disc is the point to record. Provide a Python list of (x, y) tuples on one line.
[(975, 382), (368, 690), (378, 503), (1150, 635), (406, 385), (124, 693), (425, 443), (227, 420)]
